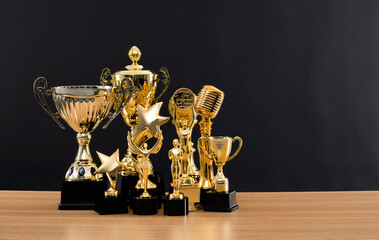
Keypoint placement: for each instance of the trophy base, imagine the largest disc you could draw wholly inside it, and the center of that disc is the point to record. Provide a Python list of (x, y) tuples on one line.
[(81, 195), (145, 206), (154, 192), (126, 186), (111, 205), (220, 202), (193, 194), (175, 207)]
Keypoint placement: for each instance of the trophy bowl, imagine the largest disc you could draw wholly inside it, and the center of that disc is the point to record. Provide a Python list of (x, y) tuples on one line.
[(219, 151), (83, 107)]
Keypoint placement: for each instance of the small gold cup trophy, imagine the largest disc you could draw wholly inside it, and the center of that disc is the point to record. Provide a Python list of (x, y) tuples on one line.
[(83, 108), (176, 204), (181, 108), (220, 199), (111, 202), (144, 94), (148, 127)]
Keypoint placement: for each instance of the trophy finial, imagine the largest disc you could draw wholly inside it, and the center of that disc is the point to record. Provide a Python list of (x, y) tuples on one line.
[(134, 55)]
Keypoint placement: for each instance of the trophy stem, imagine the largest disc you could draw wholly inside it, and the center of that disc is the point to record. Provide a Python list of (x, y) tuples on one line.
[(206, 168), (184, 141), (84, 154), (145, 169), (83, 168)]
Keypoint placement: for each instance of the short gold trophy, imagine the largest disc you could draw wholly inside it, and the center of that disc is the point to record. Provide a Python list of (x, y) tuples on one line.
[(148, 127), (181, 108), (220, 199), (145, 84), (83, 108), (176, 204), (111, 202)]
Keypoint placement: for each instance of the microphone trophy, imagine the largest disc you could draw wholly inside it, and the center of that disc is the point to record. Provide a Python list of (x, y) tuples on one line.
[(148, 127), (207, 105), (176, 204), (111, 202), (144, 94), (220, 199), (181, 108), (83, 108)]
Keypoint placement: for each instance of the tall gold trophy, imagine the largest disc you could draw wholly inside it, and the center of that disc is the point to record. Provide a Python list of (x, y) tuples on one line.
[(207, 105), (176, 204), (148, 127), (144, 94), (83, 108), (181, 108)]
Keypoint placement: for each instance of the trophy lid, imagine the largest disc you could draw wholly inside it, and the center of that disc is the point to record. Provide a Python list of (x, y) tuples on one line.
[(134, 69)]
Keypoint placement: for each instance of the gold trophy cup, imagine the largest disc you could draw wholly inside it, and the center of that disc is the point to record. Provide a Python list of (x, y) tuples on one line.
[(219, 151), (83, 108), (145, 86)]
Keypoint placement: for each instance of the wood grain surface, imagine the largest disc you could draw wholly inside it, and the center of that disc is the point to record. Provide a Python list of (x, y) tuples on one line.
[(285, 215)]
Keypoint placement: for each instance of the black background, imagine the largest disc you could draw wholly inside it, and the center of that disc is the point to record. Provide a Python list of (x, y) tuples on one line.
[(300, 78)]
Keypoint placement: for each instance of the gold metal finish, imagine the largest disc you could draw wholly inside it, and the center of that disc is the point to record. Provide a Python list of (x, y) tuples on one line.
[(193, 170), (83, 108), (175, 155), (181, 107), (207, 105), (145, 85), (219, 151), (148, 127), (127, 161), (111, 166)]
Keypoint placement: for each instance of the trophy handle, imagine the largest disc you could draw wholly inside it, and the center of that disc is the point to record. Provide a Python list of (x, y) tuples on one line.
[(238, 149), (40, 91), (104, 77), (201, 146), (120, 94), (165, 80)]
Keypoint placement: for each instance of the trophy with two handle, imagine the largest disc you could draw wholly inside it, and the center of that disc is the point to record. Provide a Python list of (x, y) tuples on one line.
[(145, 84), (83, 108)]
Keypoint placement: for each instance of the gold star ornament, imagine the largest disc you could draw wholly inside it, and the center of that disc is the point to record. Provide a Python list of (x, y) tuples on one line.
[(110, 165), (149, 119)]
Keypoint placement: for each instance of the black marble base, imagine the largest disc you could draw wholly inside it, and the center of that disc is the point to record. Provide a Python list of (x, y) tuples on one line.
[(81, 195), (220, 202), (126, 187), (145, 206), (176, 207), (111, 205)]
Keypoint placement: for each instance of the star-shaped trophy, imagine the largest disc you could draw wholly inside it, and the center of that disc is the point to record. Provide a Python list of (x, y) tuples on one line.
[(111, 202), (148, 126)]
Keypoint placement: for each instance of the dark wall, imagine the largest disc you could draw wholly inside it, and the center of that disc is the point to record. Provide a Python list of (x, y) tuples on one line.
[(301, 84)]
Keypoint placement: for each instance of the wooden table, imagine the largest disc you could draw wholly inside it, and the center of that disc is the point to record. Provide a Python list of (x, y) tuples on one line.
[(289, 215)]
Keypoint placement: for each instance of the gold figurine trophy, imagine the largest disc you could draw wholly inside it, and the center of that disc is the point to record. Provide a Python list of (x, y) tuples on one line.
[(111, 202), (83, 108), (176, 204), (181, 108), (144, 94), (148, 127)]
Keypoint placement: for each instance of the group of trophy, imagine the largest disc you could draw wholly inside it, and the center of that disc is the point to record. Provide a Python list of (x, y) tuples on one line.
[(132, 181)]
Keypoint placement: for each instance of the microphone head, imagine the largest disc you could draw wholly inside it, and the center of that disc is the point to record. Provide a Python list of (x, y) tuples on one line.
[(209, 101)]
